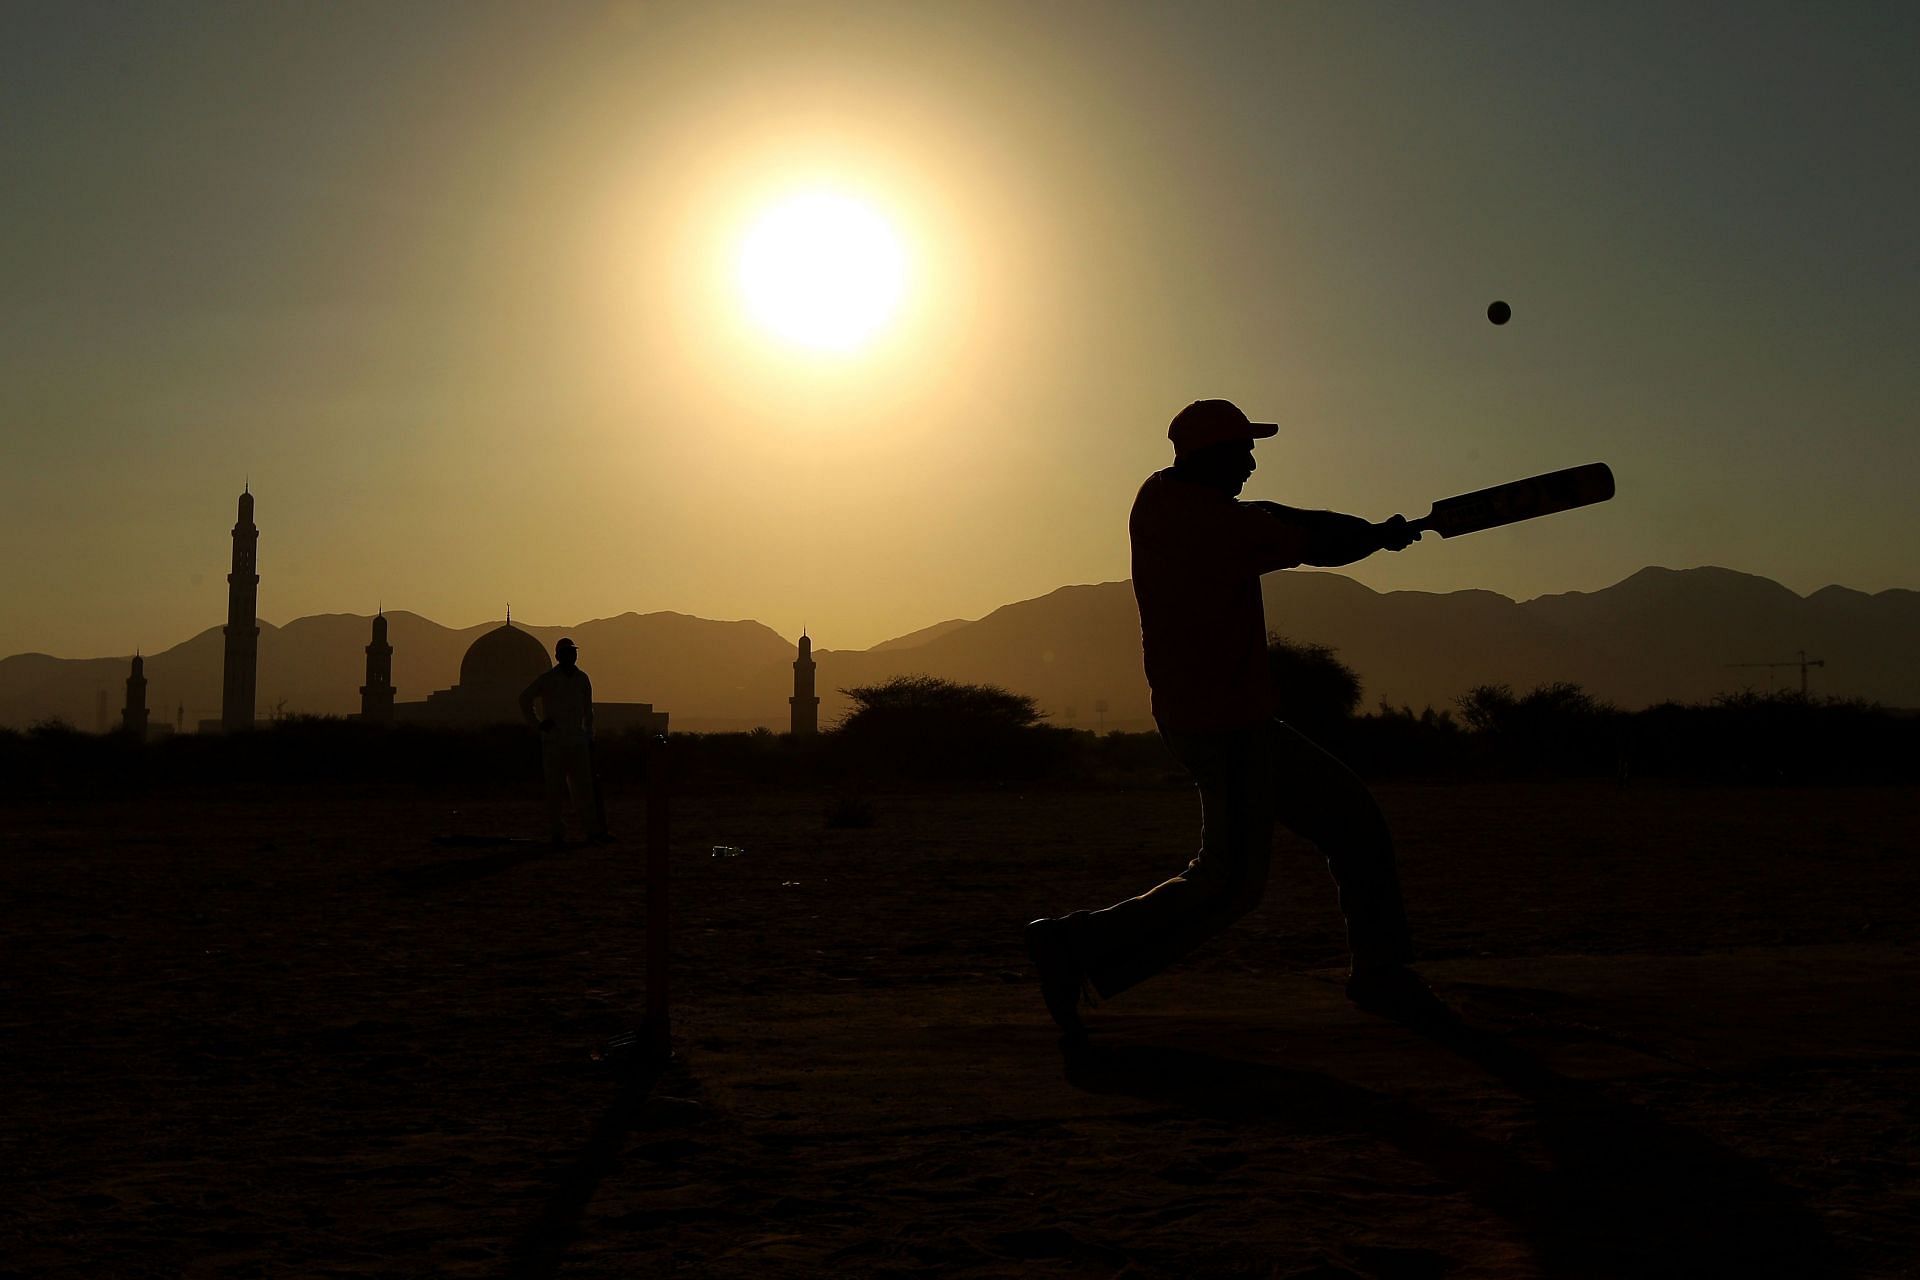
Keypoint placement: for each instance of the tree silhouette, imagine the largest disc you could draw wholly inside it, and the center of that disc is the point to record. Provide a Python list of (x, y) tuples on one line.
[(1313, 690), (936, 702), (1557, 728), (925, 726)]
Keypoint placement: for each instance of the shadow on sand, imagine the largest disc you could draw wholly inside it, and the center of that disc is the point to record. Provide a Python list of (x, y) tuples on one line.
[(1624, 1194), (540, 1251)]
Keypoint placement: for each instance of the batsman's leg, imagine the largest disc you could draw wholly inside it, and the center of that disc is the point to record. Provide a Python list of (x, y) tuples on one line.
[(1322, 800), (1137, 938)]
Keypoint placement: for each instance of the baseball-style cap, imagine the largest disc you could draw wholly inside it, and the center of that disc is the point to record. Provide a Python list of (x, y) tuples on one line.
[(565, 643), (1206, 422)]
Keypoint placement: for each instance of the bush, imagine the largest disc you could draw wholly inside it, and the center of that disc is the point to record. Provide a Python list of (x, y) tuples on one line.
[(1556, 730), (1395, 742), (1778, 738), (920, 730), (919, 726), (1313, 691)]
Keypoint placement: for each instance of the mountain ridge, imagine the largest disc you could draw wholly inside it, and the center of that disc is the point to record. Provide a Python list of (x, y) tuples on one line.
[(1659, 634)]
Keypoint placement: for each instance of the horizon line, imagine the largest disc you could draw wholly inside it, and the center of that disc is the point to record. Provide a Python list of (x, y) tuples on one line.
[(626, 613)]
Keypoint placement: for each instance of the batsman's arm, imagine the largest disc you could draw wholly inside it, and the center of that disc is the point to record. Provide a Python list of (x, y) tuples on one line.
[(1334, 539), (1261, 542)]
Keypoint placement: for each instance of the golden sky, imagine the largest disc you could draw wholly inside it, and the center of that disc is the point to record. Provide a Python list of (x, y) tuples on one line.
[(456, 287)]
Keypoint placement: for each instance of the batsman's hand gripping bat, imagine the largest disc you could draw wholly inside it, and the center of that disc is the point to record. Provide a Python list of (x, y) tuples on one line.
[(1518, 500)]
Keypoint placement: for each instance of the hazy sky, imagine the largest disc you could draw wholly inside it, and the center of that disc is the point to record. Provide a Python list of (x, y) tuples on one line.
[(454, 285)]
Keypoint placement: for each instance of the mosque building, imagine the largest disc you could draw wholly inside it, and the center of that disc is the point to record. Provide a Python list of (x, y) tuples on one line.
[(242, 630), (133, 716), (240, 662), (496, 668), (240, 647), (376, 695), (804, 716)]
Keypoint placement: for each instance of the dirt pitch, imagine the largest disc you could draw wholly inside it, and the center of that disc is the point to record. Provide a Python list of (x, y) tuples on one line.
[(286, 1034)]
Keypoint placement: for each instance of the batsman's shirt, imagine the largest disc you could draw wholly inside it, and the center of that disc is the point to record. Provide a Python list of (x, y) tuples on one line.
[(1197, 559)]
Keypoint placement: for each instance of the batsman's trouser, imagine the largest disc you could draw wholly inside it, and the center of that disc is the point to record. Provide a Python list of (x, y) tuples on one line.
[(1249, 779), (568, 763)]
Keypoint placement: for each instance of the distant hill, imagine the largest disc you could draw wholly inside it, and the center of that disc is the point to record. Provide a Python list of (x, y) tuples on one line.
[(1068, 649), (1660, 634), (914, 639)]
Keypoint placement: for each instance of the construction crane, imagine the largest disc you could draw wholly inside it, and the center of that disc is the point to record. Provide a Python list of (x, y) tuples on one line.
[(1802, 662)]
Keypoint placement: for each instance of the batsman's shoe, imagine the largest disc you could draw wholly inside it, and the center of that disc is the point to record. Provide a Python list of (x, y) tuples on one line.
[(1060, 976), (1396, 993)]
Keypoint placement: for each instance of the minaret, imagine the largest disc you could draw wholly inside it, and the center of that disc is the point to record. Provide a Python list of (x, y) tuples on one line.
[(243, 636), (133, 717), (376, 695), (806, 707)]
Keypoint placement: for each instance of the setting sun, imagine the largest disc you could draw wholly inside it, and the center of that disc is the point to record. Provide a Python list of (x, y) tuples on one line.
[(822, 270)]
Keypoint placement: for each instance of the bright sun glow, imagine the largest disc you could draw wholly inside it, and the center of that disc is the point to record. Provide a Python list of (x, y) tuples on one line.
[(822, 271)]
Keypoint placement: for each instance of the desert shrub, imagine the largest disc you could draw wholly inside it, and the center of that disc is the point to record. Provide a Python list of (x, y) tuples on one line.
[(1313, 690), (1776, 738), (1747, 738), (1557, 730), (928, 700), (933, 732), (1486, 707), (54, 759), (1395, 742), (919, 726)]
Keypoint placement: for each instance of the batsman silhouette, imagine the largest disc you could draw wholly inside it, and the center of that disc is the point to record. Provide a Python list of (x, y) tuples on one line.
[(1198, 553)]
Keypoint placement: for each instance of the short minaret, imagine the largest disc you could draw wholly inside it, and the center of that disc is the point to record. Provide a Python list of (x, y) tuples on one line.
[(376, 695), (806, 707), (133, 717), (243, 635)]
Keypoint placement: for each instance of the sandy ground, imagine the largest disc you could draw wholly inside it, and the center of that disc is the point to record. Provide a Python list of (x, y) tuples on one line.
[(286, 1034)]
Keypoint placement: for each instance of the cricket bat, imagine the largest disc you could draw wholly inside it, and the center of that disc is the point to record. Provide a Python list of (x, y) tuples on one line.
[(1518, 500)]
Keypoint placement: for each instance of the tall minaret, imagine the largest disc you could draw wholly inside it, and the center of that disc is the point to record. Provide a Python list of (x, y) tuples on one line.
[(806, 707), (243, 636), (133, 717), (376, 695)]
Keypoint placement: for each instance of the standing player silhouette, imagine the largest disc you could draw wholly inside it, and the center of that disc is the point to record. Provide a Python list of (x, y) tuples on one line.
[(1198, 554), (566, 741)]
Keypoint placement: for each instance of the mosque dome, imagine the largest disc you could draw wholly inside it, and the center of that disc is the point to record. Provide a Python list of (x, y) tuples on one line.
[(504, 658)]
